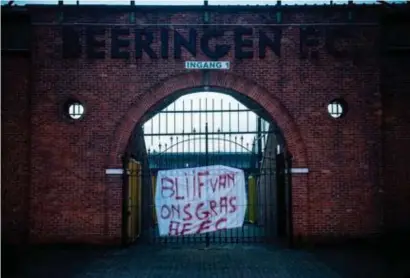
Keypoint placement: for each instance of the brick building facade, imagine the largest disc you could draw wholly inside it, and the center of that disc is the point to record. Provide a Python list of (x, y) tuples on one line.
[(292, 60)]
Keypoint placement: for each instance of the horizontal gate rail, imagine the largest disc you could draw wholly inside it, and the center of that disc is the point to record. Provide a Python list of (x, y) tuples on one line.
[(203, 133), (207, 111)]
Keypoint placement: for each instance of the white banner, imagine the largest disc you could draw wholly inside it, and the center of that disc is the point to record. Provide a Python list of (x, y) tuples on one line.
[(200, 200)]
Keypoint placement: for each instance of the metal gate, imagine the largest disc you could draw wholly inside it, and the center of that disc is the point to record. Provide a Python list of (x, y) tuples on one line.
[(263, 161)]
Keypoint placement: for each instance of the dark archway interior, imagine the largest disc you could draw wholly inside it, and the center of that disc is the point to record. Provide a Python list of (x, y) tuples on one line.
[(267, 213)]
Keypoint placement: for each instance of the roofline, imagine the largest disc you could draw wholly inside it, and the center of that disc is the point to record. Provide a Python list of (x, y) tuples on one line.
[(215, 8), (28, 10)]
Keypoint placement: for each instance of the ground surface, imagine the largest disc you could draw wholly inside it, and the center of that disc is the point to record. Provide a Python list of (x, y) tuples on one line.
[(217, 261)]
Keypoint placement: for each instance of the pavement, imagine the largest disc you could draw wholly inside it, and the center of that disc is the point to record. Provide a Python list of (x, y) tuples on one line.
[(230, 260)]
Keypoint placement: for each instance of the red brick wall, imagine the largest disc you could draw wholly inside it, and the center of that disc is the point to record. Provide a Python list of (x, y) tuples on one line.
[(396, 81), (15, 146), (73, 200)]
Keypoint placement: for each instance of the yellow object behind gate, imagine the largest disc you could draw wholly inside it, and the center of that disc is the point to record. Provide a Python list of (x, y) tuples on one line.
[(251, 199), (134, 200)]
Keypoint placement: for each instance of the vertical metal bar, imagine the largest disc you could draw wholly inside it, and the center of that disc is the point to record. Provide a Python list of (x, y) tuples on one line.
[(163, 239), (238, 117), (230, 151), (171, 155), (183, 117), (194, 155), (159, 239), (132, 201), (166, 120), (212, 162), (206, 109), (152, 131), (247, 121), (230, 114), (213, 143), (159, 123), (289, 199), (259, 140), (265, 206), (256, 178), (192, 116), (252, 191), (269, 187), (162, 157), (221, 155), (184, 238), (218, 156), (263, 177), (227, 157), (238, 166), (279, 195), (188, 141), (175, 118), (152, 199), (182, 157), (221, 128), (213, 116), (125, 186), (200, 119), (206, 164)]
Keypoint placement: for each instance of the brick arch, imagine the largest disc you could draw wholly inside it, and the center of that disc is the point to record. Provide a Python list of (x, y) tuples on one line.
[(221, 80)]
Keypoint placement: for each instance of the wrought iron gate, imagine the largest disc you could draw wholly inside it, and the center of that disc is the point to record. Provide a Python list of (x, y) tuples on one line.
[(264, 164)]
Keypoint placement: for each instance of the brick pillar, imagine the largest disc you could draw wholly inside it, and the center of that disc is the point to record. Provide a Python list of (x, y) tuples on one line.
[(300, 208), (113, 210)]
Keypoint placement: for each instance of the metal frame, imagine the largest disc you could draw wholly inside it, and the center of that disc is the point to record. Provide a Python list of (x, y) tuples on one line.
[(244, 100), (250, 233)]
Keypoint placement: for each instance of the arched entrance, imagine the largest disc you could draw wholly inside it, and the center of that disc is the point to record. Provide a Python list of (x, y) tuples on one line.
[(194, 80), (254, 98)]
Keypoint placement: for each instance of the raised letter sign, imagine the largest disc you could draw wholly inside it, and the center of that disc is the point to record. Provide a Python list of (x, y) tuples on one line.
[(309, 38), (144, 44), (71, 43), (117, 43), (164, 43), (93, 44), (200, 200), (332, 35), (189, 44), (241, 42), (220, 50), (265, 41)]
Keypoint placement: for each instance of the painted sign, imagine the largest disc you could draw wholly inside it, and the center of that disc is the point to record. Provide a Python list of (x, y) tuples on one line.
[(218, 65), (200, 200)]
